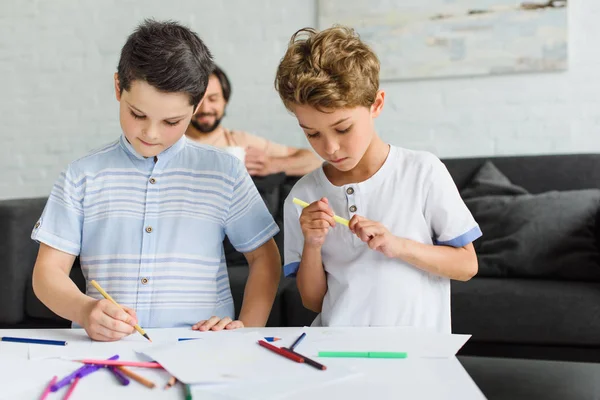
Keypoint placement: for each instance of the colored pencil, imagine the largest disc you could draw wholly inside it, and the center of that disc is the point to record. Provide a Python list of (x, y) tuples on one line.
[(181, 339), (282, 352), (172, 381), (119, 375), (33, 341), (136, 377), (107, 297), (47, 390), (188, 392), (297, 342), (307, 360), (363, 354), (336, 218), (71, 388), (122, 363), (272, 338), (79, 372)]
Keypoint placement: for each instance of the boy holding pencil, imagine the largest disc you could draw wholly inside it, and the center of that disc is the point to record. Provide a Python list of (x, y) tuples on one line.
[(147, 214), (409, 231)]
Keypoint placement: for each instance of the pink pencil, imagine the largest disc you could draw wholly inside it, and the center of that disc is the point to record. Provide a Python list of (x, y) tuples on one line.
[(71, 388), (123, 363), (47, 390)]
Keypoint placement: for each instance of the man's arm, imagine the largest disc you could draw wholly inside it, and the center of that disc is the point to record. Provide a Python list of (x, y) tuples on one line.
[(297, 162), (261, 287)]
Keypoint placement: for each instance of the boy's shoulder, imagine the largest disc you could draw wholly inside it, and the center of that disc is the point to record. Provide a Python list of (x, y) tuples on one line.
[(202, 155), (418, 158), (308, 182), (95, 159)]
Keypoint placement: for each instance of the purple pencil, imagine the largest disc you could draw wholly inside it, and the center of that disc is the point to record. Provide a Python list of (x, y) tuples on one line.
[(80, 372), (119, 375)]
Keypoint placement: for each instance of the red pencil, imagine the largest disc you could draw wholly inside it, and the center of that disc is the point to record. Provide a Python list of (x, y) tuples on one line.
[(71, 389), (124, 363), (47, 390), (281, 352)]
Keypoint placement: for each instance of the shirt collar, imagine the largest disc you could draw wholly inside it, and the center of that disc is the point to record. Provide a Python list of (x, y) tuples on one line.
[(163, 156)]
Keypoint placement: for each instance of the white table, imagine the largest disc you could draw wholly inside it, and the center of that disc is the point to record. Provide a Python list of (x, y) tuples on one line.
[(411, 378)]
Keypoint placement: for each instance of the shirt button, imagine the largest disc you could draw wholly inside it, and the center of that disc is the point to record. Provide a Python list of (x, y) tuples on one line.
[(152, 181), (144, 281), (149, 229), (352, 208), (350, 190)]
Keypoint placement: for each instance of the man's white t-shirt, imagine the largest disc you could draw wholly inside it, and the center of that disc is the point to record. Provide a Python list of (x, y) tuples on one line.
[(414, 196)]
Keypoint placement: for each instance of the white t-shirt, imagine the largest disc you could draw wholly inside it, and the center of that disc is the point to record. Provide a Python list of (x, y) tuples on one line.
[(414, 196)]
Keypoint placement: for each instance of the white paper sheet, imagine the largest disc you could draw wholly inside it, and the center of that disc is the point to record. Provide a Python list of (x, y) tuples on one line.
[(417, 343), (234, 358)]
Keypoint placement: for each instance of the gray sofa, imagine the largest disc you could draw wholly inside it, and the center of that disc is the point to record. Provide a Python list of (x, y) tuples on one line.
[(507, 316)]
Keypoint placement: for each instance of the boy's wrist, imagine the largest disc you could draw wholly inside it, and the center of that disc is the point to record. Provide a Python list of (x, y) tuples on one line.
[(401, 247), (83, 310)]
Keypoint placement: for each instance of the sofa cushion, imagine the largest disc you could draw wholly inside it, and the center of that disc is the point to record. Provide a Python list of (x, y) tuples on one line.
[(17, 254), (548, 235), (527, 311)]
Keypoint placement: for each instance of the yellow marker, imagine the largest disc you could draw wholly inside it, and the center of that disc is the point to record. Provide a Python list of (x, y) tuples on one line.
[(107, 297), (337, 219)]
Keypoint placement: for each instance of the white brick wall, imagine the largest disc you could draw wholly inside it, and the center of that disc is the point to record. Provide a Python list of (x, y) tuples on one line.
[(57, 59)]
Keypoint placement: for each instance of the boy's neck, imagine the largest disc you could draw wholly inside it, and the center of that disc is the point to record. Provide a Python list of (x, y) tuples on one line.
[(371, 162)]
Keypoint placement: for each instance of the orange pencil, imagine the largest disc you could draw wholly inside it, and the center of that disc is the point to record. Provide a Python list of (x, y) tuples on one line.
[(137, 377), (107, 297), (171, 382)]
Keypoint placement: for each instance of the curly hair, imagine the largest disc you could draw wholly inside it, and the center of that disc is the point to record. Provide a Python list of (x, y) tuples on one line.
[(328, 70)]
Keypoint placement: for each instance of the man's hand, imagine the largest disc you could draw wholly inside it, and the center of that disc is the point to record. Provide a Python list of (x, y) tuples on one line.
[(258, 163), (376, 236), (105, 322), (315, 221), (217, 324)]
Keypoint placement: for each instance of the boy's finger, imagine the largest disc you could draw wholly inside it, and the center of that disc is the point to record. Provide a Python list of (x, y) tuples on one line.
[(197, 325), (115, 312), (221, 324), (113, 325), (235, 325), (208, 324), (131, 312)]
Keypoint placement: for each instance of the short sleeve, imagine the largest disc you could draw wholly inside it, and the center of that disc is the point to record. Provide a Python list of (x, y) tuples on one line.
[(293, 239), (61, 222), (249, 224), (449, 218)]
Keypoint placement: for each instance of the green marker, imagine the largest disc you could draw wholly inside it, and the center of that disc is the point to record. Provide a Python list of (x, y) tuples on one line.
[(188, 392), (363, 354)]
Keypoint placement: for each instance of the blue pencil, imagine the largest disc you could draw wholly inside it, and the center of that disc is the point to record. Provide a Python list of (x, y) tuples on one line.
[(34, 341), (297, 342), (272, 338)]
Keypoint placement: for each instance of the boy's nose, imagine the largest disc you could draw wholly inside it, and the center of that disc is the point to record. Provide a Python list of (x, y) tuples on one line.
[(331, 147)]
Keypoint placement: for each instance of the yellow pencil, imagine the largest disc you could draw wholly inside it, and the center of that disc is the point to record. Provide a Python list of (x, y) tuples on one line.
[(337, 219), (107, 297)]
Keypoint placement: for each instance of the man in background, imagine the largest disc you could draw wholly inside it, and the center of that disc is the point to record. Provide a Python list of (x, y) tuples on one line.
[(262, 157)]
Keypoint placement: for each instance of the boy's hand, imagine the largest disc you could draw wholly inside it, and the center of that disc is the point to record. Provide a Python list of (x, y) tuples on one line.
[(105, 322), (315, 221), (375, 235), (217, 324)]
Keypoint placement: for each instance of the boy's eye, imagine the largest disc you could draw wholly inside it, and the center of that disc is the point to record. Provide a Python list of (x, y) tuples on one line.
[(344, 130), (312, 135), (137, 116), (172, 123)]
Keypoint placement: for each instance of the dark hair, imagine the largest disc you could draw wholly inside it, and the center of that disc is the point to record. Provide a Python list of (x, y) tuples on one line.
[(168, 56), (224, 81)]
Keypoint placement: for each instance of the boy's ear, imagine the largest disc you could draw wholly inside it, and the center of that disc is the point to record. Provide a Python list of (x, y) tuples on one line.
[(377, 105), (117, 87)]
